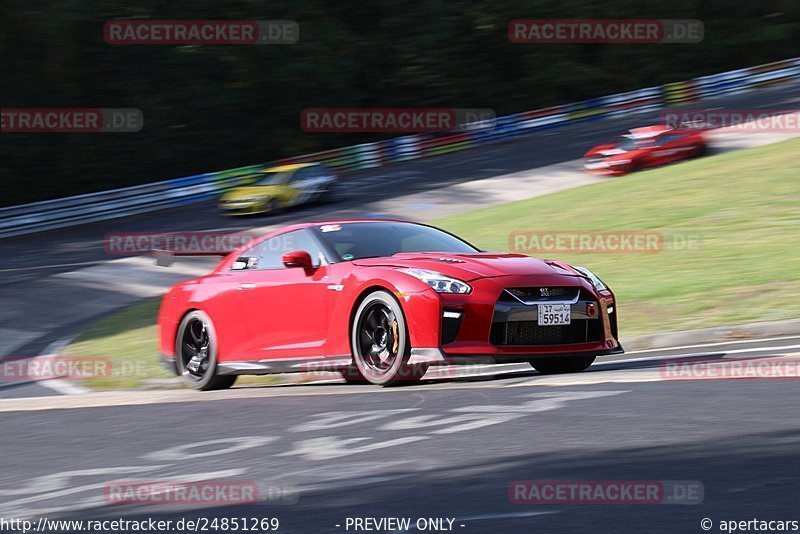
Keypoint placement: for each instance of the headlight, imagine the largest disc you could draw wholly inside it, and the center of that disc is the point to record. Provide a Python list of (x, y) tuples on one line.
[(439, 282), (596, 282), (619, 162)]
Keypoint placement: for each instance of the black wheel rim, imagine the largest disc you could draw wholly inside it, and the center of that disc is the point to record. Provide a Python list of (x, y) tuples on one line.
[(195, 350), (378, 337)]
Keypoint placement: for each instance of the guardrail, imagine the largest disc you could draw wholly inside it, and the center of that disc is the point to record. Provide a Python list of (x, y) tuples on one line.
[(105, 205)]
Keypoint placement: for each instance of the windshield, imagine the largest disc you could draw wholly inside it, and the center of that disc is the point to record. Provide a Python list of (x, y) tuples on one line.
[(626, 144), (352, 241), (274, 178)]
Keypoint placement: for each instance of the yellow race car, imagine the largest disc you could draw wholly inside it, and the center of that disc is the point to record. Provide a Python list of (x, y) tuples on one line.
[(281, 187)]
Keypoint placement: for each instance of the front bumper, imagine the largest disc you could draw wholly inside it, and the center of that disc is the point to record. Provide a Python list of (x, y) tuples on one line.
[(436, 356), (606, 167), (485, 325), (232, 207)]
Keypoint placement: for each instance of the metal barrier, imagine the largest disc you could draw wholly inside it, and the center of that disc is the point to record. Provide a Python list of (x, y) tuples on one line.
[(105, 205)]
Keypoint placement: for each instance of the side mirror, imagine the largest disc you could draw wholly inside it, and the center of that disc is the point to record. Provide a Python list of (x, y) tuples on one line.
[(243, 262), (298, 258)]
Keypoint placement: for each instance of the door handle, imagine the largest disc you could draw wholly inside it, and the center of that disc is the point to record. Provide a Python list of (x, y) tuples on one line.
[(247, 285)]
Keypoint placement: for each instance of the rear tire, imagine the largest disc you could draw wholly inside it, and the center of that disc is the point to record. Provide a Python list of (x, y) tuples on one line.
[(196, 353), (562, 364)]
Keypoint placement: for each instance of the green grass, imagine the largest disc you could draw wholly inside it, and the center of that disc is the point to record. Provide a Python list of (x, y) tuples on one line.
[(128, 339), (741, 209)]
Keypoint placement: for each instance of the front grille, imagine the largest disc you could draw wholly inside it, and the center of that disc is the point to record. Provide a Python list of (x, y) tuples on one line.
[(530, 333), (541, 294)]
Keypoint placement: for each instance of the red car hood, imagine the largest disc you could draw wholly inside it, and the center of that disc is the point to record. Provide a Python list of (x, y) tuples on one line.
[(470, 266)]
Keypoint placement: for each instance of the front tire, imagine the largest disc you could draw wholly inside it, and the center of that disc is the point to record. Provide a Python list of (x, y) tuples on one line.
[(702, 151), (196, 353), (563, 364), (380, 344), (269, 207), (352, 375), (332, 194), (635, 166)]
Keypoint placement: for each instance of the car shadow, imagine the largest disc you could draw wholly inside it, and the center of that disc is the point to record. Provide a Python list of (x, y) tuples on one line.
[(503, 373)]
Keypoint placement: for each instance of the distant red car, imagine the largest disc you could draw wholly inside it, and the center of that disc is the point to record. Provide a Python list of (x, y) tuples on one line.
[(646, 147), (380, 301)]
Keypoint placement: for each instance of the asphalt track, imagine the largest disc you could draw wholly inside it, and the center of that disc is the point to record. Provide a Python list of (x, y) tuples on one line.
[(442, 449)]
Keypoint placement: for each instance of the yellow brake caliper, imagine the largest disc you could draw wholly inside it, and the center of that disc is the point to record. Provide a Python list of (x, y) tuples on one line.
[(394, 337)]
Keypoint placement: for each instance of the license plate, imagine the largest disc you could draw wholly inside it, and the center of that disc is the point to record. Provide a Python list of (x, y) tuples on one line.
[(554, 314)]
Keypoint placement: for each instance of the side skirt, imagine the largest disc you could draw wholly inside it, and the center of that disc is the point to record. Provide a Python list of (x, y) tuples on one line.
[(291, 365)]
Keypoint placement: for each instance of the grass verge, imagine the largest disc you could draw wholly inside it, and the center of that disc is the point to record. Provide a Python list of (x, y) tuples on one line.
[(128, 340), (730, 224)]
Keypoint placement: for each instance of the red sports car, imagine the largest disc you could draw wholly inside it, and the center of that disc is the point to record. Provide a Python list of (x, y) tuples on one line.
[(380, 301), (641, 148)]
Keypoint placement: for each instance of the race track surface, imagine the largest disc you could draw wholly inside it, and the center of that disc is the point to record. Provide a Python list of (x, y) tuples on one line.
[(442, 449)]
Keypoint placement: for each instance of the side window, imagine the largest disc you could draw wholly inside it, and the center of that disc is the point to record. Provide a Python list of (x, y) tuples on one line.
[(302, 174), (645, 143), (669, 138), (269, 253), (303, 240)]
